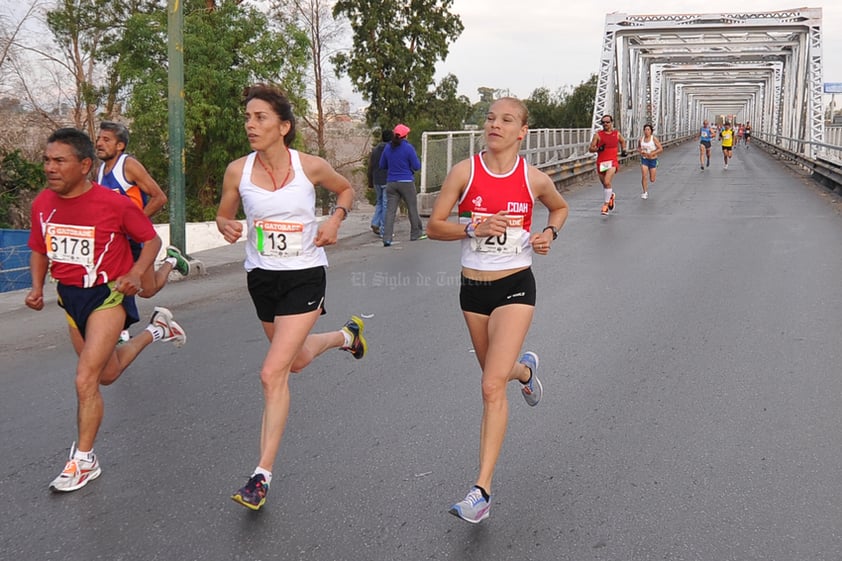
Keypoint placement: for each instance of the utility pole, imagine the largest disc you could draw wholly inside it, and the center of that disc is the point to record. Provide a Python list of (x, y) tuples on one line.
[(175, 54)]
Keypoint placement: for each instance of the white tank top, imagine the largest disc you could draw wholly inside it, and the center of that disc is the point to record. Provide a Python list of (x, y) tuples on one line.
[(281, 225), (647, 146)]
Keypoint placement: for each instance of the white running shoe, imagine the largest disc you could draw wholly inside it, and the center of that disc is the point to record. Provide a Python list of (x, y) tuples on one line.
[(644, 195), (162, 317), (76, 474), (473, 508)]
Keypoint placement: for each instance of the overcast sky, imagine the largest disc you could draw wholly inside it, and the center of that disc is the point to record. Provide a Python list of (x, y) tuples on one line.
[(521, 45), (527, 44)]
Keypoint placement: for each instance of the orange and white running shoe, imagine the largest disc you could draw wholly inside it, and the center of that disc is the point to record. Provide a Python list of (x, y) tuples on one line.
[(77, 473), (173, 332), (611, 202), (605, 208)]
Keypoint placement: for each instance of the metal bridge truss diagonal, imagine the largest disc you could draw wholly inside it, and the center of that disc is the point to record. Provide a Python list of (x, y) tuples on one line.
[(676, 70)]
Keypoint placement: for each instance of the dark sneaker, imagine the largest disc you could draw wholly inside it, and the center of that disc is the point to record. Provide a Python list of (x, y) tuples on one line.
[(182, 265), (358, 346), (253, 494), (473, 508)]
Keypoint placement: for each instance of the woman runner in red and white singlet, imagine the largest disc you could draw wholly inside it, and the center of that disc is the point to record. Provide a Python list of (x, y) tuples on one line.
[(495, 192)]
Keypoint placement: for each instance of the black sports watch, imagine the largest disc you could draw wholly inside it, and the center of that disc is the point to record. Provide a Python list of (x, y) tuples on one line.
[(554, 229)]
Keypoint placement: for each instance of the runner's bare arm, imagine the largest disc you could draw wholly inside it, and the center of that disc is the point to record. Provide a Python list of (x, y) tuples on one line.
[(38, 264), (226, 222), (137, 174)]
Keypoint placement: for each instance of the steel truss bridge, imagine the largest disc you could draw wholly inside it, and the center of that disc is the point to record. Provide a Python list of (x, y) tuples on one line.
[(676, 70)]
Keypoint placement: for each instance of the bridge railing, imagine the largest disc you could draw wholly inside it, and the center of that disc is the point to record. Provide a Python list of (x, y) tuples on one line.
[(827, 163), (562, 153), (541, 148), (833, 139)]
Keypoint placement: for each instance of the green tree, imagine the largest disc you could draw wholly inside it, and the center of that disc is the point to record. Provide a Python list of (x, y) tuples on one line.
[(480, 109), (324, 32), (20, 179), (445, 110), (578, 106), (396, 45), (546, 109), (89, 35), (245, 48)]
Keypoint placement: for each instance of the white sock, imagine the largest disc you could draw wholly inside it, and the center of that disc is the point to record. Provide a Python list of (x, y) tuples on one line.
[(171, 261), (156, 331), (86, 456), (266, 474), (608, 193), (348, 337)]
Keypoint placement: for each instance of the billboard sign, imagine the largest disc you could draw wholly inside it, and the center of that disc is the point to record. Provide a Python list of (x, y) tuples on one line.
[(833, 87)]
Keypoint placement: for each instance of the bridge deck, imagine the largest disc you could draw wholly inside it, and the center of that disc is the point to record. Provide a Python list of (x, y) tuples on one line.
[(691, 410)]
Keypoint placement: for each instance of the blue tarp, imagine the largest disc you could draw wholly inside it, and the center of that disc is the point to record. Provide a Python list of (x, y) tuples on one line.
[(14, 260)]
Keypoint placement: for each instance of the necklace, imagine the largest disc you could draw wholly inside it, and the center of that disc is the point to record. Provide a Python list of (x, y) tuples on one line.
[(276, 186)]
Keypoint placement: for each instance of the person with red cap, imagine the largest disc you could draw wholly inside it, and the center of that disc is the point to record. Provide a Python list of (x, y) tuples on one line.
[(401, 162)]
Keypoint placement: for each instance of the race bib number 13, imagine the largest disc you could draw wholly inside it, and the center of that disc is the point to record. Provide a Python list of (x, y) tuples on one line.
[(279, 239), (70, 244)]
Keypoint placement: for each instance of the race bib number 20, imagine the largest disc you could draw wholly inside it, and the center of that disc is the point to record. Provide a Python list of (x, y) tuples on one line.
[(70, 244), (279, 239), (508, 243)]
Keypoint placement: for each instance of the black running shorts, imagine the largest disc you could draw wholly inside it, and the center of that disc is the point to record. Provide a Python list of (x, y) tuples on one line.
[(287, 293), (483, 297)]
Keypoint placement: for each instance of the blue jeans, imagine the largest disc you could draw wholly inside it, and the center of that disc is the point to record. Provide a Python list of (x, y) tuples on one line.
[(379, 218)]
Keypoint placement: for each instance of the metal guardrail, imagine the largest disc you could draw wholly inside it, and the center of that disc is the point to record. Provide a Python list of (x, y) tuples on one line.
[(561, 153), (541, 148), (582, 167), (826, 166)]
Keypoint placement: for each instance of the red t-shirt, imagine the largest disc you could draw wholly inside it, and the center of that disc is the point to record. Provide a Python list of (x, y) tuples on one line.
[(86, 237)]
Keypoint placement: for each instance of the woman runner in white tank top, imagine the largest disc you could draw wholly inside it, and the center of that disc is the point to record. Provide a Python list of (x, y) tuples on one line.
[(285, 260), (649, 147)]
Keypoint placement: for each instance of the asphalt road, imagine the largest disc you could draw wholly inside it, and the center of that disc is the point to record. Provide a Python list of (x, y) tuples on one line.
[(690, 359)]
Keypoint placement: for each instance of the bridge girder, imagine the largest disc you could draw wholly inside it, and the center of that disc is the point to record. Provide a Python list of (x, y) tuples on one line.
[(674, 70)]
